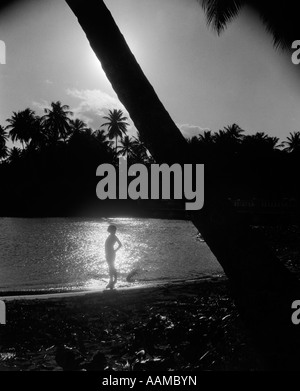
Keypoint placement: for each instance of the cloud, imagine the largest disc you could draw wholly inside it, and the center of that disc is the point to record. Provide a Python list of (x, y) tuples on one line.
[(41, 105), (93, 104), (90, 106), (191, 130)]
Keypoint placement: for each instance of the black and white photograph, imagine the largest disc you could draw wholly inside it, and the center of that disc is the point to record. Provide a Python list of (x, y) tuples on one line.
[(149, 195)]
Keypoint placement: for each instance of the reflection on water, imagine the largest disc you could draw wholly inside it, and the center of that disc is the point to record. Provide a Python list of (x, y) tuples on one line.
[(68, 253)]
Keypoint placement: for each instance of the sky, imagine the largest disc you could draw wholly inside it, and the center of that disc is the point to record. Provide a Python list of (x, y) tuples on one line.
[(204, 80)]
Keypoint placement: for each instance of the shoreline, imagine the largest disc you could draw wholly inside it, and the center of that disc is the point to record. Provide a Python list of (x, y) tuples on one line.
[(183, 325), (61, 293), (188, 325)]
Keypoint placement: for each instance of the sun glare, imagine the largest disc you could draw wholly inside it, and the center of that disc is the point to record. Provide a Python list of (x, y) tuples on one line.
[(94, 69)]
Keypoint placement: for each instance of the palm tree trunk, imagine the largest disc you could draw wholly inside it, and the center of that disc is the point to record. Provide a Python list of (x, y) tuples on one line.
[(116, 145), (262, 287)]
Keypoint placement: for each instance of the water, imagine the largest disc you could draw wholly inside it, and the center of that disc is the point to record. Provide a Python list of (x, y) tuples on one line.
[(68, 253)]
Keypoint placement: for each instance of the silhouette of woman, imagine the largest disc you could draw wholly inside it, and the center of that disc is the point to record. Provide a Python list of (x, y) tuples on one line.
[(110, 254)]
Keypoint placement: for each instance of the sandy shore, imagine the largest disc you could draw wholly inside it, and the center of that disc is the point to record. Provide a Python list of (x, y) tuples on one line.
[(189, 325), (50, 294), (186, 325)]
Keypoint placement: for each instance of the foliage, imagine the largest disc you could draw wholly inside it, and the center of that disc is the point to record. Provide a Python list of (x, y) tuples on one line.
[(276, 17), (182, 327), (116, 125), (55, 160)]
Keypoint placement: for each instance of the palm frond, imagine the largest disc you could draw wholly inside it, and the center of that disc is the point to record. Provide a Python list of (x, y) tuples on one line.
[(278, 17), (220, 13)]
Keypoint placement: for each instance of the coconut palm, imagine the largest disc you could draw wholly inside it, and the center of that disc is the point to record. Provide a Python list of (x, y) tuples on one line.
[(277, 18), (22, 125), (192, 140), (3, 152), (207, 137), (259, 136), (293, 142), (102, 138), (89, 132), (3, 139), (116, 125), (77, 126), (38, 137), (14, 155), (3, 135), (140, 150), (229, 135), (259, 146), (261, 285), (234, 131), (57, 122), (127, 148)]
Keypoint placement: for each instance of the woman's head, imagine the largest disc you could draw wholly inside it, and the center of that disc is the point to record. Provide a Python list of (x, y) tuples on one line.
[(112, 229)]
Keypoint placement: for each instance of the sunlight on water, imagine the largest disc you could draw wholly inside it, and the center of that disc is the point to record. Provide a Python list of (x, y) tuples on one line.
[(68, 253)]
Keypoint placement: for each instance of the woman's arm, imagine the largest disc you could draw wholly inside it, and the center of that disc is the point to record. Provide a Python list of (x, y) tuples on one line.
[(119, 243)]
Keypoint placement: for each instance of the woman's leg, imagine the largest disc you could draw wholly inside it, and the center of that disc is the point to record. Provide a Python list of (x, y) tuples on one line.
[(115, 275), (112, 276)]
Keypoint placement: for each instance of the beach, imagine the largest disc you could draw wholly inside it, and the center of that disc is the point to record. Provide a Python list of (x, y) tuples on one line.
[(189, 326), (67, 254), (182, 146)]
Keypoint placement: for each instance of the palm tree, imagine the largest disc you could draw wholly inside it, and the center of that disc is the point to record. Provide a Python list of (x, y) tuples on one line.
[(228, 140), (3, 135), (3, 152), (140, 150), (89, 132), (261, 285), (229, 135), (293, 142), (127, 148), (116, 125), (101, 137), (260, 141), (14, 155), (22, 125), (3, 139), (277, 17), (38, 137), (77, 126), (207, 137), (259, 136), (234, 131), (57, 122)]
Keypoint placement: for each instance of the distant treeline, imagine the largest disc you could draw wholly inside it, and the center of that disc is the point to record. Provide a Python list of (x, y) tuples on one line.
[(52, 171)]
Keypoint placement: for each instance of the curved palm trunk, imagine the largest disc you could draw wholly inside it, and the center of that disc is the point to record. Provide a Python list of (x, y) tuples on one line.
[(263, 289)]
